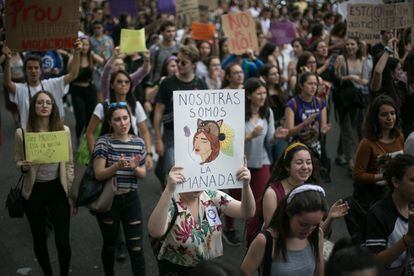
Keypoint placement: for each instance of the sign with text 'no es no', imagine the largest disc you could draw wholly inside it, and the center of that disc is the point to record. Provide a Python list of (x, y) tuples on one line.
[(240, 29), (47, 147)]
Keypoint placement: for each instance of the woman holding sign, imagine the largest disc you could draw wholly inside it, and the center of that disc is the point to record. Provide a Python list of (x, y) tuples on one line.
[(196, 232), (121, 155), (46, 186)]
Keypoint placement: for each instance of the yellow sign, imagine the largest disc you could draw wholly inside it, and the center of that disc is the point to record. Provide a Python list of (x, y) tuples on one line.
[(132, 41), (47, 147)]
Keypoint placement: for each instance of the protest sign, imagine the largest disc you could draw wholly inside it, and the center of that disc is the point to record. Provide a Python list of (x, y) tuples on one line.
[(118, 7), (240, 29), (47, 147), (166, 6), (404, 17), (209, 138), (343, 7), (283, 32), (132, 41), (359, 23), (202, 31), (186, 12), (41, 25)]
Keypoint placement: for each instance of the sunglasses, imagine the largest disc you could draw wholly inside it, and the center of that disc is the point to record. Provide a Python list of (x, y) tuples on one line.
[(123, 81), (182, 62), (117, 104)]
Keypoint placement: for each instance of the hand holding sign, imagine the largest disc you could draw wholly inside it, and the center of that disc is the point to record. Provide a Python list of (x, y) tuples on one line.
[(244, 175), (175, 177)]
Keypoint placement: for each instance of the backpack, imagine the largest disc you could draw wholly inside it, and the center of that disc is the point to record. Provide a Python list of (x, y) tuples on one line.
[(156, 243), (254, 227)]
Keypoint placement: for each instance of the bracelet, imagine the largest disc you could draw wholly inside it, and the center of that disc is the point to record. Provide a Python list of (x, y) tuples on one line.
[(389, 50), (404, 241), (150, 154)]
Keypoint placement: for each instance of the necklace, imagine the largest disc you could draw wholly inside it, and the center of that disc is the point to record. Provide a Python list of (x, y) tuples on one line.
[(290, 184)]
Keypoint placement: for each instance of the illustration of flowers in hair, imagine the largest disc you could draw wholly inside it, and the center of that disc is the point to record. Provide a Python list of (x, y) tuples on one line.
[(210, 138)]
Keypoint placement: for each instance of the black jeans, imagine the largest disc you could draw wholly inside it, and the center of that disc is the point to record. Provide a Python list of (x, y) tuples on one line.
[(84, 100), (49, 196), (126, 209)]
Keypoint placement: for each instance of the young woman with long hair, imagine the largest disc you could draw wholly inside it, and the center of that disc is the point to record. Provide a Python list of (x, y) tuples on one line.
[(47, 186), (82, 89), (121, 91), (295, 236), (121, 155), (383, 140)]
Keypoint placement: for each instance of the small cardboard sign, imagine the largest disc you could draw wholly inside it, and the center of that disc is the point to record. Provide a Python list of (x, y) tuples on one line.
[(202, 31), (132, 41), (41, 25), (240, 29), (47, 147), (186, 12), (209, 138)]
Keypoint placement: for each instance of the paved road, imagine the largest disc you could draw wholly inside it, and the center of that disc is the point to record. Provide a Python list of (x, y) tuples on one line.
[(15, 239)]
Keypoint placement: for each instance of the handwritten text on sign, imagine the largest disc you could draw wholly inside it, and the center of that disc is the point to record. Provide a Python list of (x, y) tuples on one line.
[(209, 138), (41, 24), (47, 147), (241, 31)]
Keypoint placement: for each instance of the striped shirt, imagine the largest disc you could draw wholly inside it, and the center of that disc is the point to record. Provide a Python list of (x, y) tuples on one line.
[(111, 149)]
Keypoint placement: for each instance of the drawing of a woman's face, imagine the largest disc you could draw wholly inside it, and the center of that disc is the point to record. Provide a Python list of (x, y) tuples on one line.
[(202, 146)]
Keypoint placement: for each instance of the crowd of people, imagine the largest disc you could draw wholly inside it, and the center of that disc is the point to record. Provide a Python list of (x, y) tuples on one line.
[(294, 93)]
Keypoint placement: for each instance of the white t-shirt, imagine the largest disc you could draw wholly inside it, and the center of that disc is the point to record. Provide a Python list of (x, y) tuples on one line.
[(139, 116), (55, 86)]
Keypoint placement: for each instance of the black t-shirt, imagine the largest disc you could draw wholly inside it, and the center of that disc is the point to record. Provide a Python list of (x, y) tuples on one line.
[(385, 227), (165, 95)]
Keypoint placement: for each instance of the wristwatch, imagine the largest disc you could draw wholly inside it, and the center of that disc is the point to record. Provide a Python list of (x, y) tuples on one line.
[(389, 50)]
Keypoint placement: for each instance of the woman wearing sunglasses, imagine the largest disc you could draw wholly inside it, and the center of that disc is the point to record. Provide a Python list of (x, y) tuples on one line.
[(121, 155), (121, 91)]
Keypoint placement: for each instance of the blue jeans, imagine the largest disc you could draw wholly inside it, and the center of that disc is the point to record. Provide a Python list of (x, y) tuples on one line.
[(276, 150), (126, 209)]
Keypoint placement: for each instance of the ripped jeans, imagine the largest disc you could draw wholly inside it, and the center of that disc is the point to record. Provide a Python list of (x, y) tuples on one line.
[(126, 208)]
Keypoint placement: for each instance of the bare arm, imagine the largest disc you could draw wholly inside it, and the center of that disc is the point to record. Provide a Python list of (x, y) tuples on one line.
[(10, 86), (93, 124), (102, 172), (321, 263), (158, 221), (376, 79), (254, 256), (269, 206), (74, 64), (290, 122)]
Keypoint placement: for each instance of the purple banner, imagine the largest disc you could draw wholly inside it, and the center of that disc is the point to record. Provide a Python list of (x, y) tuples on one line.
[(119, 7), (166, 6), (283, 32)]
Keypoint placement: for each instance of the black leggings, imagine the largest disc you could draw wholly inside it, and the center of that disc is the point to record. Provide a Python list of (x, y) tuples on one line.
[(49, 196), (84, 100)]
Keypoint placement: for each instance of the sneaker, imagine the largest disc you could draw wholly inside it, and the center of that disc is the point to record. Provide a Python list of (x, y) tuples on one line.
[(230, 237), (120, 252)]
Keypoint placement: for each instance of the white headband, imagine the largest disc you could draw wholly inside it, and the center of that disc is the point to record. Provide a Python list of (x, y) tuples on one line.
[(304, 188)]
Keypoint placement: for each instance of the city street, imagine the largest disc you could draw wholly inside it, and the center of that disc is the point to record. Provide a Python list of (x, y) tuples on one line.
[(16, 250)]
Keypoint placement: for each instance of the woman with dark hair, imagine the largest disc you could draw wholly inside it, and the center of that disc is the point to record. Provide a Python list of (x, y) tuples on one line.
[(268, 54), (383, 140), (390, 223), (204, 48), (337, 38), (305, 114), (233, 77), (47, 186), (120, 91), (259, 132), (120, 155), (215, 73), (82, 89), (387, 77), (294, 234), (277, 99), (299, 46), (349, 70), (349, 259)]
